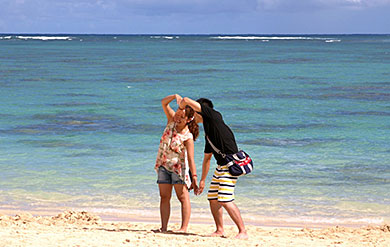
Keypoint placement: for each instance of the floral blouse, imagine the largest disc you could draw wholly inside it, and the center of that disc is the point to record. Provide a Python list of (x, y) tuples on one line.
[(172, 152)]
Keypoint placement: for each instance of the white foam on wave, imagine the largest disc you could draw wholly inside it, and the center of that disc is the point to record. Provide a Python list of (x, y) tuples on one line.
[(164, 37), (6, 37), (332, 40), (45, 38), (263, 38)]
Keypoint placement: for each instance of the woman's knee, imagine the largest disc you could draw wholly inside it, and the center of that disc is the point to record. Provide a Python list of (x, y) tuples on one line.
[(165, 192), (165, 197), (182, 194), (183, 197)]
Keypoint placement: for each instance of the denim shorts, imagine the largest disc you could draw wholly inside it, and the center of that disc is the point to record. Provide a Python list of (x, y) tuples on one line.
[(167, 177)]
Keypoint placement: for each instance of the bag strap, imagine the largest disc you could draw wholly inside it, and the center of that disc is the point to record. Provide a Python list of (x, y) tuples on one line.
[(215, 148)]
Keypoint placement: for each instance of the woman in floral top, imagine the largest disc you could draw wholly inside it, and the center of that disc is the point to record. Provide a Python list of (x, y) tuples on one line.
[(176, 148)]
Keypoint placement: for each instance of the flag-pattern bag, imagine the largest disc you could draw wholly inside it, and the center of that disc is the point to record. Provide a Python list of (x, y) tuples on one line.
[(239, 163)]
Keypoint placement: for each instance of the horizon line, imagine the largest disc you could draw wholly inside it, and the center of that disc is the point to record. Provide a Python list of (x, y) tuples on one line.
[(189, 34)]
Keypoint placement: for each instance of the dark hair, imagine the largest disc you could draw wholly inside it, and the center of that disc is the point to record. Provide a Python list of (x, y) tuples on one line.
[(192, 125), (206, 102)]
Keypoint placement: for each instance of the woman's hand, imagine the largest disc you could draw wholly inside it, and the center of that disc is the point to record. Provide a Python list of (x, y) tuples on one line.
[(200, 188), (194, 184), (178, 99)]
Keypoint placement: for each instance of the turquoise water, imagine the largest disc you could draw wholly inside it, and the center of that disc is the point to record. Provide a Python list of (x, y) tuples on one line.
[(80, 120)]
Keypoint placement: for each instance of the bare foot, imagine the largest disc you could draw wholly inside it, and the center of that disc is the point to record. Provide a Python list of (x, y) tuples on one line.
[(217, 234), (183, 230), (242, 235), (160, 230)]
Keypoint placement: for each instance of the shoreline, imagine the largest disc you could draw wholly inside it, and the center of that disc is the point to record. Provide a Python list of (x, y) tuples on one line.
[(146, 216), (71, 228)]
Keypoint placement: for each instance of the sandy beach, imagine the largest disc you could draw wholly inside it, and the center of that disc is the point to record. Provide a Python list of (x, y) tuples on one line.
[(72, 228)]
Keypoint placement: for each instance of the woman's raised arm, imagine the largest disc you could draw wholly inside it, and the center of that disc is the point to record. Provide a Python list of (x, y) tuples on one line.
[(169, 112)]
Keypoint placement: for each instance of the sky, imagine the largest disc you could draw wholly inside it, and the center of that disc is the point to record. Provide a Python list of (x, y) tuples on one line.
[(195, 16)]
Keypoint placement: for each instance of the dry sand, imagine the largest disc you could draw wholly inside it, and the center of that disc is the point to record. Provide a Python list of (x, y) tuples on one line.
[(84, 229)]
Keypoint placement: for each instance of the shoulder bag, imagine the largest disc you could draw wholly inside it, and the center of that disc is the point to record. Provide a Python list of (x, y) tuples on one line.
[(239, 163)]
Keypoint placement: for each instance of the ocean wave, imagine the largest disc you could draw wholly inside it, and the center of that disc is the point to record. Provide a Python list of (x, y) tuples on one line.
[(332, 40), (267, 38), (6, 37), (44, 38), (164, 37)]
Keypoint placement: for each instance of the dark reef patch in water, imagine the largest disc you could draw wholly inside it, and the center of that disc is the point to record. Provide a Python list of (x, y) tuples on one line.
[(289, 60), (363, 113), (358, 96), (91, 154), (355, 96), (142, 150), (306, 80), (367, 92), (237, 108), (57, 143), (197, 71), (60, 79), (144, 79), (359, 88), (131, 65), (75, 104), (194, 62), (74, 122), (284, 142), (298, 78), (79, 95), (250, 61), (155, 108), (253, 128), (32, 79), (2, 115), (82, 60)]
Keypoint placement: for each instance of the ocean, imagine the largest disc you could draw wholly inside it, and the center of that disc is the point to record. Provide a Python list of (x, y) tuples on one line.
[(81, 120)]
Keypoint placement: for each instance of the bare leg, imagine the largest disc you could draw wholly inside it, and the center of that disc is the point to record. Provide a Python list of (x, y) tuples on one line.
[(234, 213), (217, 212), (165, 204), (184, 197)]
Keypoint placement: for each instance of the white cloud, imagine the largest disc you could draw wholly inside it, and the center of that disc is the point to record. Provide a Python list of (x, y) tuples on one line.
[(319, 4), (356, 3)]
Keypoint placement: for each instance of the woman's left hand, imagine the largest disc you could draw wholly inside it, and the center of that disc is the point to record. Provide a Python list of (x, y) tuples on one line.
[(194, 184), (178, 99)]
